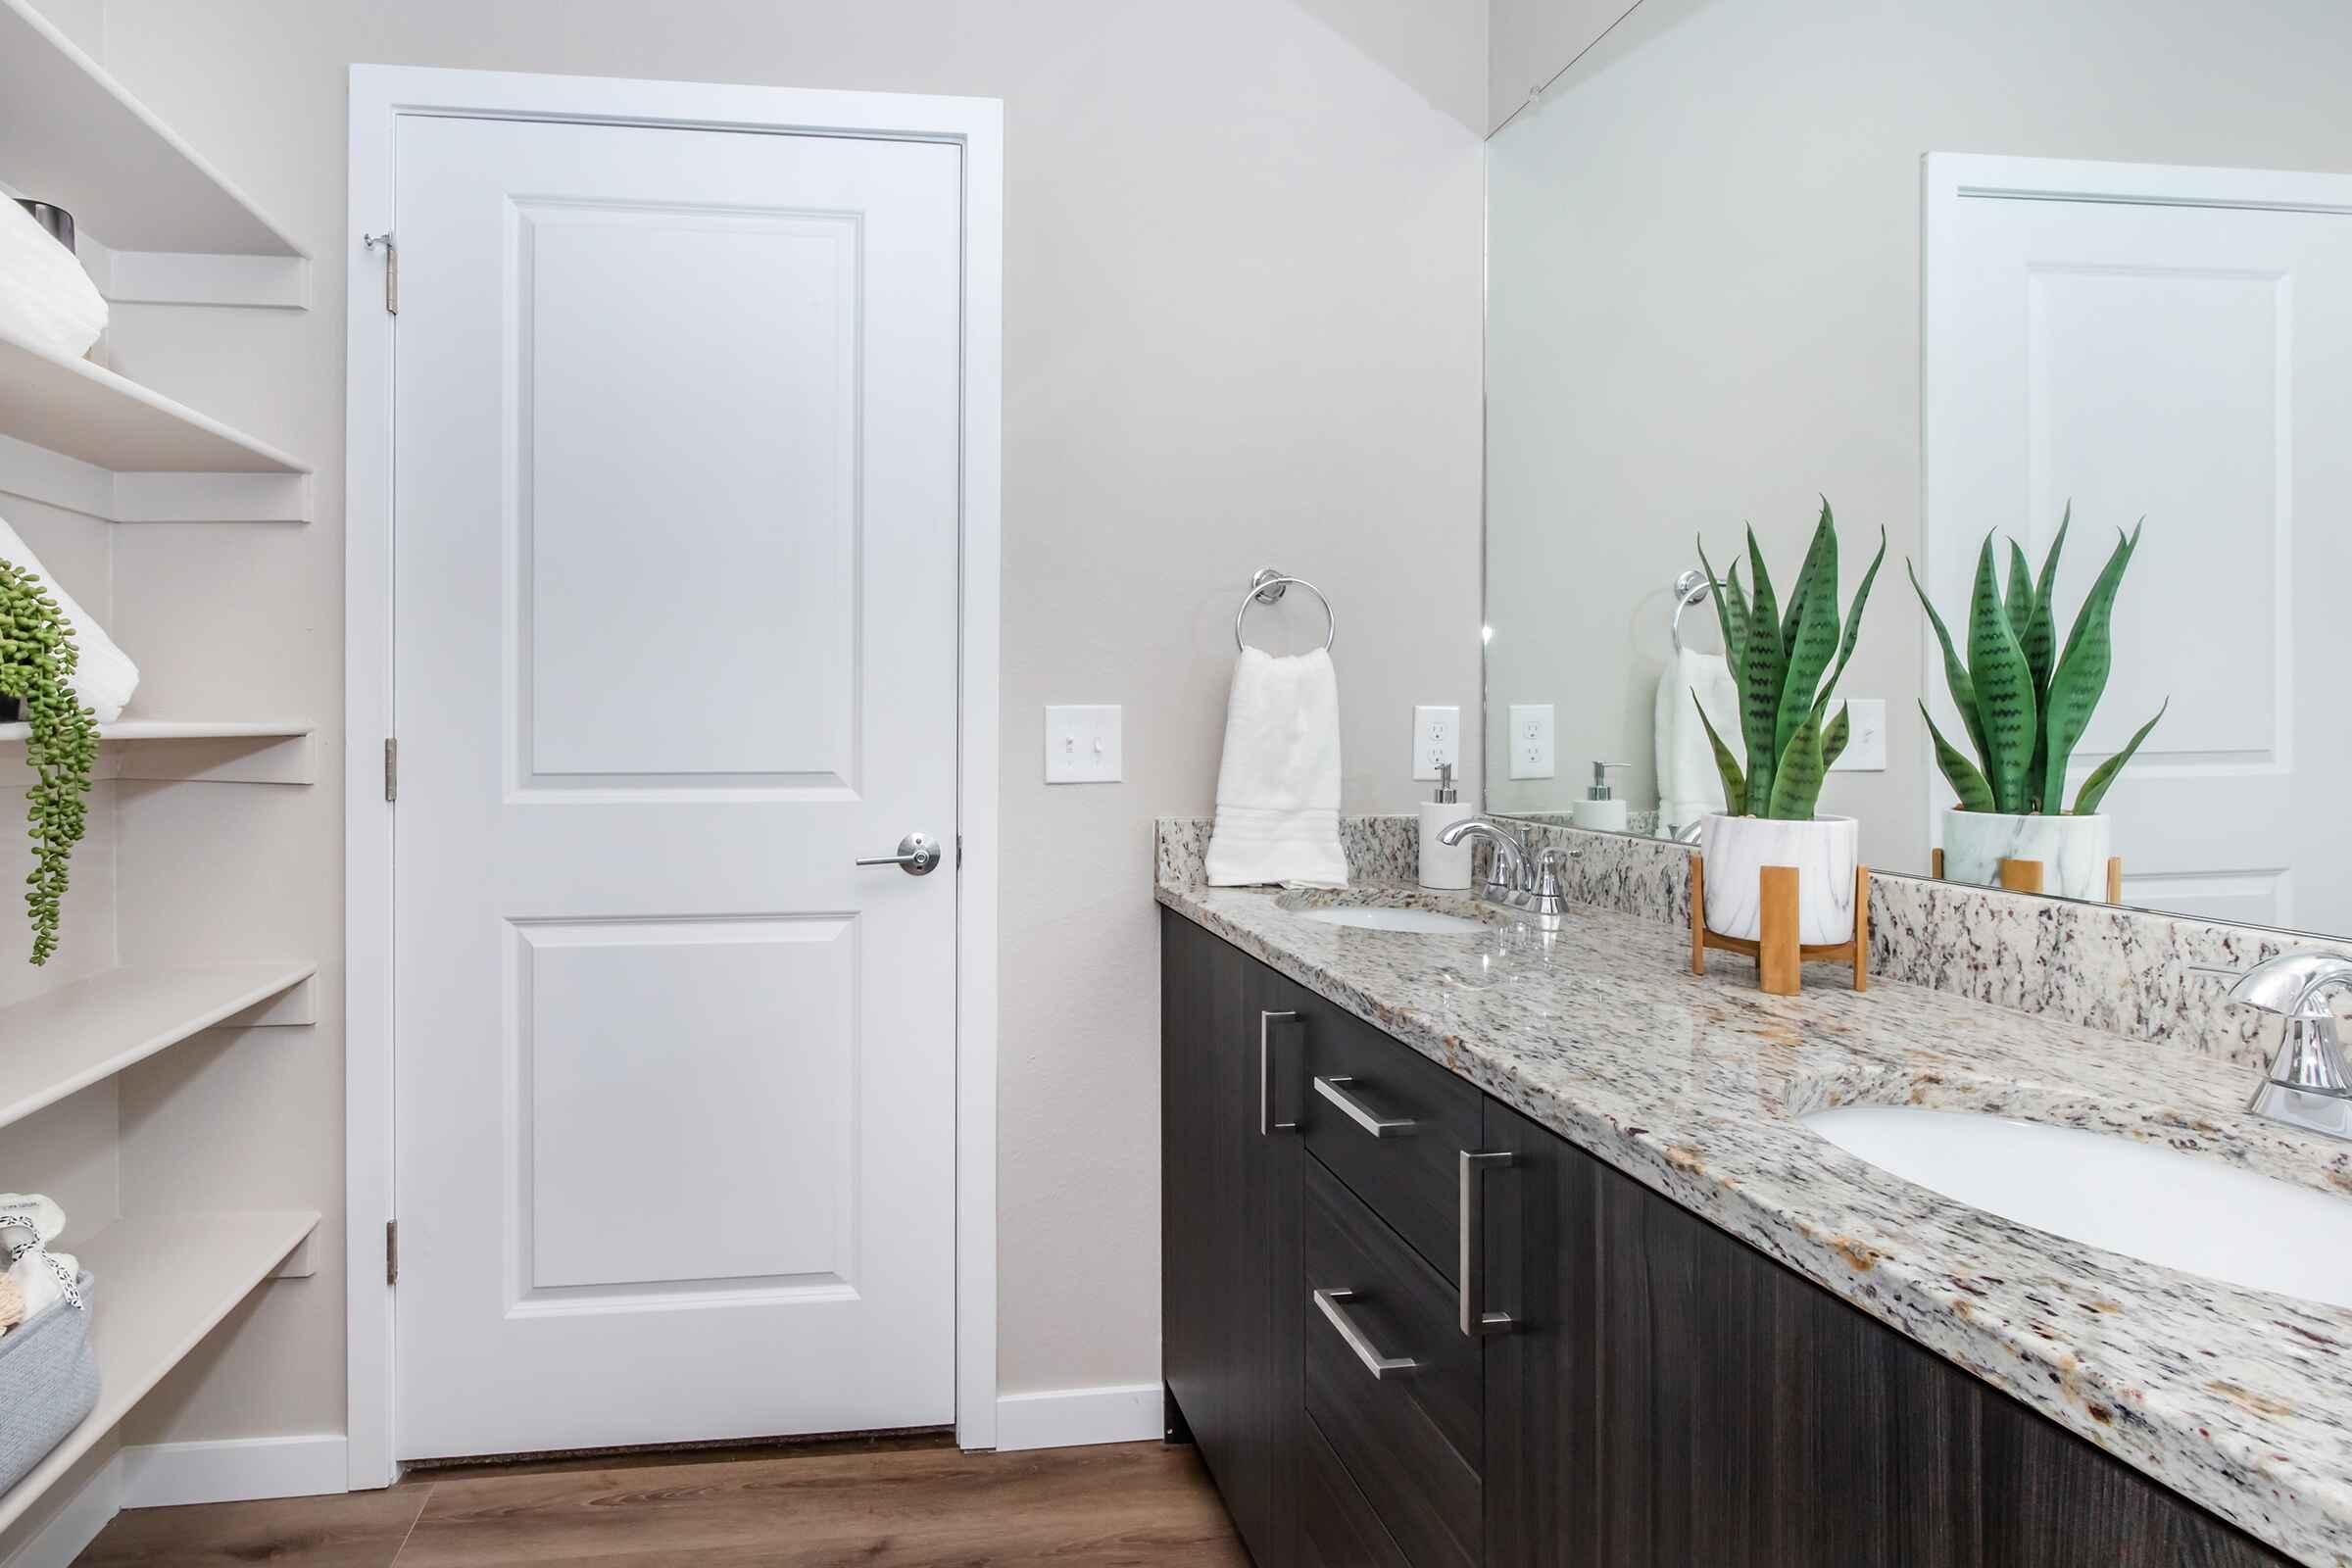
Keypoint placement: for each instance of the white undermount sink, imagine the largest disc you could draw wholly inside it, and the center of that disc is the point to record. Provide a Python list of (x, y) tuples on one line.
[(1373, 917), (2183, 1212)]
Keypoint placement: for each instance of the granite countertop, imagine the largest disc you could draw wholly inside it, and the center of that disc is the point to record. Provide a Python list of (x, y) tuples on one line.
[(2238, 1400)]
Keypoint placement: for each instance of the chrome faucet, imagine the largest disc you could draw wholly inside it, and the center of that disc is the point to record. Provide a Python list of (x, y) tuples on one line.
[(2306, 1085), (1518, 877)]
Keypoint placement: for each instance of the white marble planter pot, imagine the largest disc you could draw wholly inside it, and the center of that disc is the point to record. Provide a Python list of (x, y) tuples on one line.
[(1825, 854), (2073, 849)]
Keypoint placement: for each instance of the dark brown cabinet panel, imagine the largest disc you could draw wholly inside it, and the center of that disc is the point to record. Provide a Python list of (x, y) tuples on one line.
[(1674, 1396), (1229, 1227)]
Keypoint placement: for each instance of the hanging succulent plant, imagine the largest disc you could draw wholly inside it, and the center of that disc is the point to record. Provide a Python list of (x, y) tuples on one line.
[(1776, 657), (2025, 701), (36, 655)]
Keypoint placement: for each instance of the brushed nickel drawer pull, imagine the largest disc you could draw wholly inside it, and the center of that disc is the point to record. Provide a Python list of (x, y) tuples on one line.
[(1477, 1321), (1266, 1124), (1332, 1089), (1379, 1365)]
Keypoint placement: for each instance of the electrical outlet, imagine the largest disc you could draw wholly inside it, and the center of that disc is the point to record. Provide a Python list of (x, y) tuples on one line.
[(1531, 740), (1437, 737), (1082, 745), (1866, 739)]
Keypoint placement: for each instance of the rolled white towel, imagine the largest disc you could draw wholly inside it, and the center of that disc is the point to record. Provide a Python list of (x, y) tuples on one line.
[(1278, 783), (104, 677), (28, 1222), (1688, 784), (46, 299)]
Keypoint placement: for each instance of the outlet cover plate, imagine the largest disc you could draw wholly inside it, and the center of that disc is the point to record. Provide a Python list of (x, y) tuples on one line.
[(1437, 737), (1866, 743), (1083, 744), (1531, 740)]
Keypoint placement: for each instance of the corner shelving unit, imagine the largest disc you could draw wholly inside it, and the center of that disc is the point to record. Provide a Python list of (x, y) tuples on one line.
[(159, 225)]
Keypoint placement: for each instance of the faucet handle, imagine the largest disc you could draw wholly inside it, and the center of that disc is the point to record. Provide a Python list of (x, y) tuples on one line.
[(2293, 985)]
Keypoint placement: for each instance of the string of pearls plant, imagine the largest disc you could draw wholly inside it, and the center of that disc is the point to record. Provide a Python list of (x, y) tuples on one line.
[(36, 655)]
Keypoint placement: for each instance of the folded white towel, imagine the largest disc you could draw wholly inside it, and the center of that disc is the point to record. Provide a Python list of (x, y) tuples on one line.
[(46, 299), (1278, 785), (1688, 784), (104, 677)]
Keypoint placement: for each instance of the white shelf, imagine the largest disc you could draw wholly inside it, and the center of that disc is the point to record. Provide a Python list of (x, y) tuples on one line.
[(164, 1281), (183, 729), (215, 751), (89, 413), (72, 136), (70, 1038)]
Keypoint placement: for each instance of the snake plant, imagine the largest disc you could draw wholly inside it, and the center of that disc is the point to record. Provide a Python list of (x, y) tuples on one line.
[(2025, 700), (36, 655), (1778, 656)]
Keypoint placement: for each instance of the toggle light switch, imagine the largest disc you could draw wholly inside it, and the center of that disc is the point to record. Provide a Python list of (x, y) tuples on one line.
[(1083, 745)]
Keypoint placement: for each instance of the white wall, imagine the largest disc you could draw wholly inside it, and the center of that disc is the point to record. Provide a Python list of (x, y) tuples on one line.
[(1242, 276), (1705, 301)]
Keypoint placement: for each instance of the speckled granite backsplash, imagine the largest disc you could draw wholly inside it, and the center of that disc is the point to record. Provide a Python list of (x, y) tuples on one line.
[(2122, 971)]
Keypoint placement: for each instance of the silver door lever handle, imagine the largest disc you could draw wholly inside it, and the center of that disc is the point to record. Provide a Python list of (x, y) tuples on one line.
[(918, 856)]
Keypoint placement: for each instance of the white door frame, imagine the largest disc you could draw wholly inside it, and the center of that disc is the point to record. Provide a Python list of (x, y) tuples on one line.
[(379, 95), (1950, 179)]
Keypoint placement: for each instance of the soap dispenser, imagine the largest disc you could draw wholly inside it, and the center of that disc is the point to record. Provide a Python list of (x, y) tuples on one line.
[(1444, 866), (1600, 809)]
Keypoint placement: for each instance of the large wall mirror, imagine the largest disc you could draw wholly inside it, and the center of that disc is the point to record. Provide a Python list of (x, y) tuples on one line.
[(1965, 272)]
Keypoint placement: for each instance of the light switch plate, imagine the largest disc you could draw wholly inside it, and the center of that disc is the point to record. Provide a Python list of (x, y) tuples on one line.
[(1531, 740), (1083, 745), (1437, 737), (1866, 741)]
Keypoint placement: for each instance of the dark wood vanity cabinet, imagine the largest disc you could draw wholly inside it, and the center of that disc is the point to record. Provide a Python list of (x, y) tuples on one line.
[(1665, 1395)]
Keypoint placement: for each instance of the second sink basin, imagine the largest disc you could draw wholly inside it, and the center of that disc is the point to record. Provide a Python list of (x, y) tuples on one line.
[(2181, 1211)]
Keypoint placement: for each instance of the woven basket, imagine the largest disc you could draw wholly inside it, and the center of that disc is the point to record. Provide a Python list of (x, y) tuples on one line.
[(48, 1384)]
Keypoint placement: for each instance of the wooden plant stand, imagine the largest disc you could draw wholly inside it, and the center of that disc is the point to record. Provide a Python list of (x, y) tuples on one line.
[(2029, 876), (1781, 959)]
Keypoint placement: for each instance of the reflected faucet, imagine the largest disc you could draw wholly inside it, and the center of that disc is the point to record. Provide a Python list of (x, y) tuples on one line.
[(1518, 878), (2306, 1085)]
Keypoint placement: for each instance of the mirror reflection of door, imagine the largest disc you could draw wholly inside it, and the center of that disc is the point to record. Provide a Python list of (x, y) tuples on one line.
[(2174, 345)]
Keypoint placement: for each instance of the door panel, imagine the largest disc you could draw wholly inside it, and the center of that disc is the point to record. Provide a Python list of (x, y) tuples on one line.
[(675, 516)]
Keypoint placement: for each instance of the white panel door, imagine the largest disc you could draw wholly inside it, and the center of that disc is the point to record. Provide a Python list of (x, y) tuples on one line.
[(676, 536), (2191, 365)]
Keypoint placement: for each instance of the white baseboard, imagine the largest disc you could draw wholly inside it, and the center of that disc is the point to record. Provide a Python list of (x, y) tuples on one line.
[(75, 1526), (1065, 1419), (165, 1475)]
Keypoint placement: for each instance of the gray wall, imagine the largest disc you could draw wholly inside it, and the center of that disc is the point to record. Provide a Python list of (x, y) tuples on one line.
[(1704, 302), (1242, 307)]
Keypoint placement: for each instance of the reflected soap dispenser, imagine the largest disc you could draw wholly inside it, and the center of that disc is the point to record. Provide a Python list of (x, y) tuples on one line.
[(1600, 809), (1444, 866)]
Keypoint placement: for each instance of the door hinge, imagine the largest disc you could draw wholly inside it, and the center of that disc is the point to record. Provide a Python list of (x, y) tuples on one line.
[(391, 768), (391, 1251), (958, 851), (391, 268)]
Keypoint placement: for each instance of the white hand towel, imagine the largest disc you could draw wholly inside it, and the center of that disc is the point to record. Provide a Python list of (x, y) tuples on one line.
[(1688, 784), (46, 299), (104, 677), (1278, 785)]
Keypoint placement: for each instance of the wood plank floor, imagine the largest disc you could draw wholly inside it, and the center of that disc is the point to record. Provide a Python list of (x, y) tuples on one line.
[(906, 1506)]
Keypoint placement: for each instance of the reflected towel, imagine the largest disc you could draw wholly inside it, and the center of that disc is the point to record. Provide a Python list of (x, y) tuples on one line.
[(1278, 785), (1689, 785)]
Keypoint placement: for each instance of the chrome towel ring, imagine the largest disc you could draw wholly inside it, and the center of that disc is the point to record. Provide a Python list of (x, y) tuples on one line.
[(1689, 589), (1267, 588)]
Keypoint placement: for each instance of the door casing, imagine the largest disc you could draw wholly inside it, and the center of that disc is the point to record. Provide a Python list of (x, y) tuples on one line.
[(379, 95)]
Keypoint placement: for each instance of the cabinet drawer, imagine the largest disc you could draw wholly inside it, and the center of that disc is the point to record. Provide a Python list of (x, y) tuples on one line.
[(1336, 1527), (1386, 1122), (1390, 1381)]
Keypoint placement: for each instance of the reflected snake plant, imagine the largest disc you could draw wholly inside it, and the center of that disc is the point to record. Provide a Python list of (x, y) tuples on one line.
[(1778, 656), (2025, 700)]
